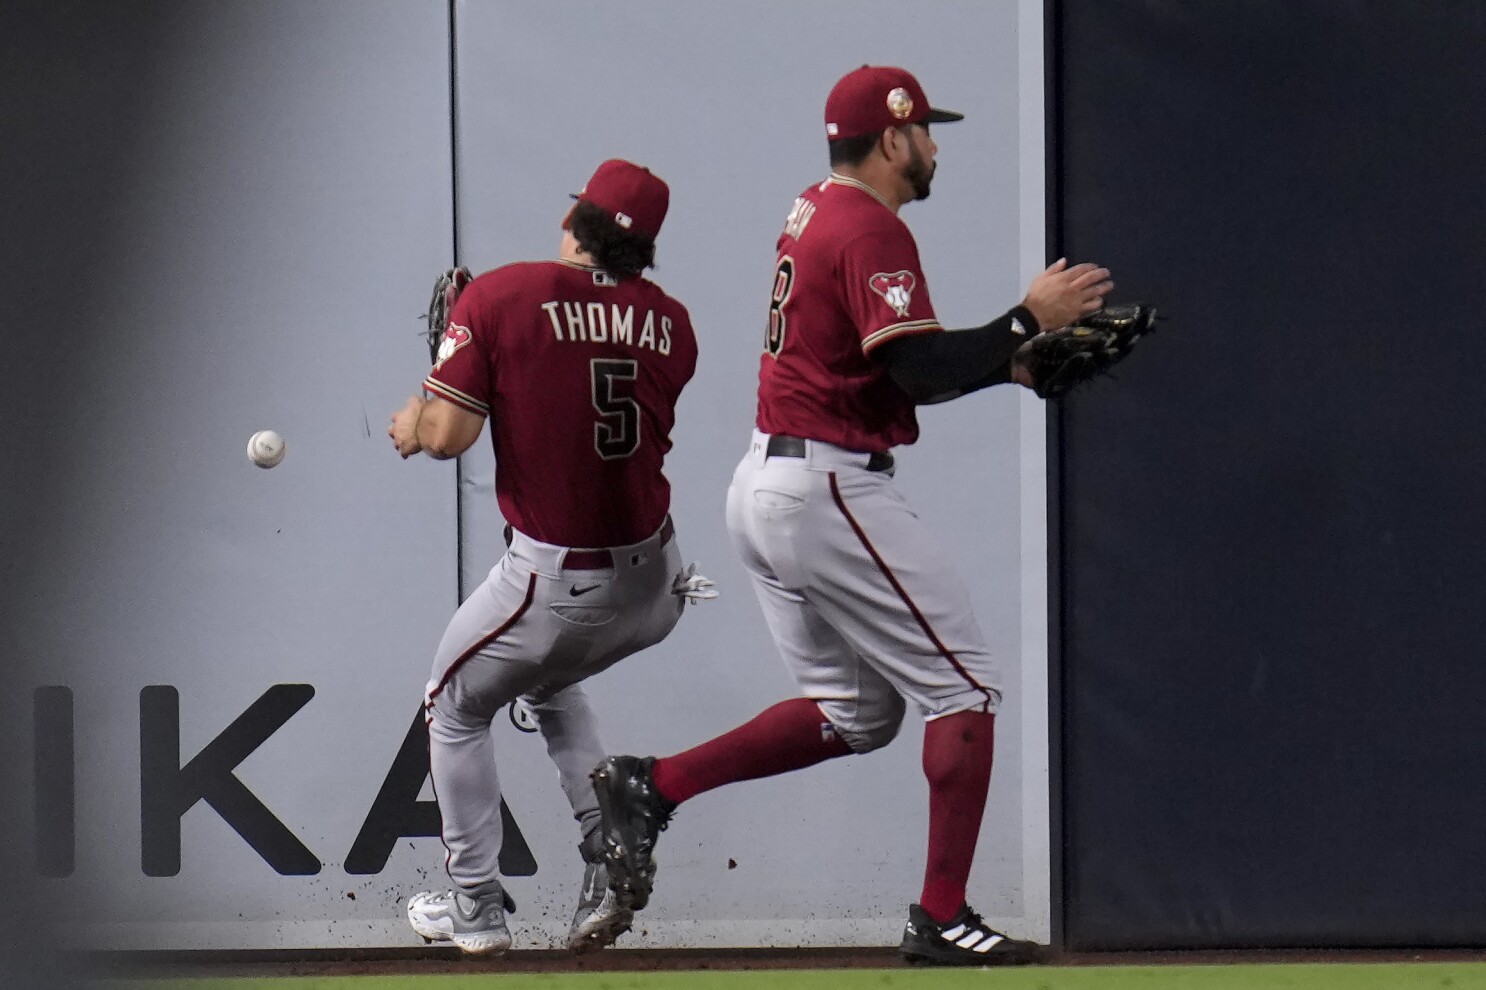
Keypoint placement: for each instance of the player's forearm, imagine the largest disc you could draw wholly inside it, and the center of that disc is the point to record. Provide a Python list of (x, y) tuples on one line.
[(936, 367), (1002, 375), (445, 430), (431, 444), (420, 442)]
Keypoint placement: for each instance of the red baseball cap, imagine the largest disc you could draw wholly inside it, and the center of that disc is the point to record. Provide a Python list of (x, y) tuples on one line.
[(634, 197), (876, 97)]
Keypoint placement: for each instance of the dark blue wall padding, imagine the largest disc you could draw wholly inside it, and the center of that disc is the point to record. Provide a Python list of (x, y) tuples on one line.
[(1273, 606)]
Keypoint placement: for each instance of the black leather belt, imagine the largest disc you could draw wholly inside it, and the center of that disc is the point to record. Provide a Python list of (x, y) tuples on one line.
[(598, 560), (783, 446)]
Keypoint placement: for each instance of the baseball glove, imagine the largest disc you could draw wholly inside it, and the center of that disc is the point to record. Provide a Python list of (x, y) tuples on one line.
[(446, 290), (1061, 360)]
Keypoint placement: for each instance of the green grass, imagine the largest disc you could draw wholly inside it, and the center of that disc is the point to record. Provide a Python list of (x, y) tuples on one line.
[(1324, 976)]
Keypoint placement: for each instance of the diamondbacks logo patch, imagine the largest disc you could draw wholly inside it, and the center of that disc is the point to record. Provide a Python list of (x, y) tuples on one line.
[(455, 337), (895, 288)]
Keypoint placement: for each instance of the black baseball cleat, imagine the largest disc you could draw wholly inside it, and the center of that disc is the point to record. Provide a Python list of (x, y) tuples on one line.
[(632, 815), (963, 940)]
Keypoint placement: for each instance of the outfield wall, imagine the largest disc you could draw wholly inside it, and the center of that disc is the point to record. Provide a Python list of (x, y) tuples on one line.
[(222, 748)]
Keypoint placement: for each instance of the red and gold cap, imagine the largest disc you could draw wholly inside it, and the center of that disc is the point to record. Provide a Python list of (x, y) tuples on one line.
[(635, 198), (876, 97)]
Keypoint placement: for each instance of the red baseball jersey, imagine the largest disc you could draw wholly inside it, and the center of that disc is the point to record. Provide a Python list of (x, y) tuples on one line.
[(579, 373), (847, 280)]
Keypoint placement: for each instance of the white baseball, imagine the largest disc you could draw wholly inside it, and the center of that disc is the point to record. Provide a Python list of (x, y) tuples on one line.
[(265, 448)]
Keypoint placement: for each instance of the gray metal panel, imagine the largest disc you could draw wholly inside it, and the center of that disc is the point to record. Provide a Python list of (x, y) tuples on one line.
[(250, 199), (240, 206), (725, 102)]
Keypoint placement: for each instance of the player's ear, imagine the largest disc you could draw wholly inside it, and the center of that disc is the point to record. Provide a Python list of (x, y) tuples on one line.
[(885, 142), (897, 143)]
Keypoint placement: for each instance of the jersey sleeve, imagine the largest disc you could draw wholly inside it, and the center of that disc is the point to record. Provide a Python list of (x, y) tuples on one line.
[(884, 287), (462, 371)]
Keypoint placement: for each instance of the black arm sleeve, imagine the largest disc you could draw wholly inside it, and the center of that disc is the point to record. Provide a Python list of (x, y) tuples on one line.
[(937, 367)]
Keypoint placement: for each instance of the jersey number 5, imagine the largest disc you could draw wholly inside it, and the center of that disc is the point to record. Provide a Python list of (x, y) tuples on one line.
[(784, 283), (617, 433)]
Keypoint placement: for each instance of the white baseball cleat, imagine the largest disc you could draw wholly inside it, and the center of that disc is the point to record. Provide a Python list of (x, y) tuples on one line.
[(476, 925), (599, 919)]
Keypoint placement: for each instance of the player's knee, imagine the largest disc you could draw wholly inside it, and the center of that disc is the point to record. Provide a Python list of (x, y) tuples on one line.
[(451, 722), (874, 729)]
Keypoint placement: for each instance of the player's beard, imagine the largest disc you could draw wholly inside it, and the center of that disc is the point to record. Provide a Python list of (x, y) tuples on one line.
[(919, 173)]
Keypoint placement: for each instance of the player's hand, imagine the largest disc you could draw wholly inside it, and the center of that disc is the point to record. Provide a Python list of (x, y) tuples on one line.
[(404, 428), (1060, 295)]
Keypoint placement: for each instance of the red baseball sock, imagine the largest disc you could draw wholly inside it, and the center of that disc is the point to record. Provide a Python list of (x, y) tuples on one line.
[(957, 760), (790, 736)]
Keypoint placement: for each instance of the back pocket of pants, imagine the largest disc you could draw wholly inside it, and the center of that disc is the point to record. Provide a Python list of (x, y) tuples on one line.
[(774, 501)]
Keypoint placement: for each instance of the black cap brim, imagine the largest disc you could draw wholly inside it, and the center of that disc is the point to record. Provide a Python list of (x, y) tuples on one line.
[(937, 116)]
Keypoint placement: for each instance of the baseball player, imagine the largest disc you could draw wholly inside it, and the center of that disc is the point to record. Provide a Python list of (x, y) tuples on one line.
[(578, 364), (860, 598)]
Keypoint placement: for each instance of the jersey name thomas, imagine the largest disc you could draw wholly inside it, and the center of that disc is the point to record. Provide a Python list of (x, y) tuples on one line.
[(579, 373), (594, 323)]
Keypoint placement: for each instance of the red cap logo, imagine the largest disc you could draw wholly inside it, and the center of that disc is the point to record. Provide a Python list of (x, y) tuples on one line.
[(899, 103)]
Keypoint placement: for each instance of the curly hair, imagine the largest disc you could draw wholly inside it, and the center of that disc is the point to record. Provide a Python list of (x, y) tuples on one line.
[(616, 250)]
